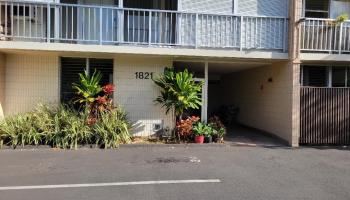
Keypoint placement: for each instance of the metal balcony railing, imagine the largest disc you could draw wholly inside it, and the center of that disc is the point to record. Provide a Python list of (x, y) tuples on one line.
[(325, 35), (85, 24)]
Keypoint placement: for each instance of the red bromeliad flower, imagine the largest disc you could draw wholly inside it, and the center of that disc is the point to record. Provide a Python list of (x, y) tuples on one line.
[(101, 100), (108, 89)]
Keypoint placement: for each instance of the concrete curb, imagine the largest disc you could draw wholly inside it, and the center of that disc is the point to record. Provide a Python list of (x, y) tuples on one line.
[(188, 145)]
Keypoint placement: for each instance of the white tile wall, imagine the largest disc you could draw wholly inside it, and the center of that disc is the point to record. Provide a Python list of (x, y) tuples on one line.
[(2, 84), (30, 79), (137, 96)]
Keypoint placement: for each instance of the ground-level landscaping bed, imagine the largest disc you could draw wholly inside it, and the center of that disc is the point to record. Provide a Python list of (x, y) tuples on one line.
[(91, 119)]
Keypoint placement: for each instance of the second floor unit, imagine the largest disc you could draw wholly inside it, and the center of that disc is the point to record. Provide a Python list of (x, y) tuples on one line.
[(240, 25), (324, 27)]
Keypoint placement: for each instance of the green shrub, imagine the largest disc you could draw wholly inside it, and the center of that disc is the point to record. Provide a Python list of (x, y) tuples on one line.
[(64, 127), (111, 129)]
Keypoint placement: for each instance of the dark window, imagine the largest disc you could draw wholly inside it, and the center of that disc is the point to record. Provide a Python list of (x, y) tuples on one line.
[(71, 67), (338, 77), (317, 8), (158, 4), (315, 76)]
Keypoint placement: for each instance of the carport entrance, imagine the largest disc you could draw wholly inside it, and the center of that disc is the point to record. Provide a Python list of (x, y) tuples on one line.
[(247, 87)]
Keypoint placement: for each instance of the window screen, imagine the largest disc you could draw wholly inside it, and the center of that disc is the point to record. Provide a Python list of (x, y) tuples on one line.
[(317, 8), (315, 76), (71, 67)]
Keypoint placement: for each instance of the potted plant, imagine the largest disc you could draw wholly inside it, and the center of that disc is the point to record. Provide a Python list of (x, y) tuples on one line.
[(199, 132), (219, 129), (218, 137), (208, 138)]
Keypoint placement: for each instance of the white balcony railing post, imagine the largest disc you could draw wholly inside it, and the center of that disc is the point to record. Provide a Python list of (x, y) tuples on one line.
[(101, 25), (241, 34), (340, 37), (285, 35), (48, 21), (196, 32), (149, 27)]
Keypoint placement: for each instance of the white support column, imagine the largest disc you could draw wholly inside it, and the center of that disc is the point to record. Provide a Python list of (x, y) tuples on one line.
[(204, 112), (120, 25)]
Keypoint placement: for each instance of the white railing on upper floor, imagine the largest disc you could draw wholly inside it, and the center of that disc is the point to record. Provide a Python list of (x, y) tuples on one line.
[(85, 24), (325, 35)]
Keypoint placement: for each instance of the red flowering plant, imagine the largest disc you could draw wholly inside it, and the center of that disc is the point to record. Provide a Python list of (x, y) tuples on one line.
[(108, 89), (184, 128), (95, 98)]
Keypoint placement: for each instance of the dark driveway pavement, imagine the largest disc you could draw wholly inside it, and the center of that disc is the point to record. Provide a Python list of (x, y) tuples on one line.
[(245, 136), (244, 172)]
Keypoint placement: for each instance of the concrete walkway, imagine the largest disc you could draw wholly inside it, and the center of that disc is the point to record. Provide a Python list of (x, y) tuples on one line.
[(244, 136)]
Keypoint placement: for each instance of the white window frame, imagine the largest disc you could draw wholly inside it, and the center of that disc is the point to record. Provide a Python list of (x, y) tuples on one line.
[(304, 10), (330, 75)]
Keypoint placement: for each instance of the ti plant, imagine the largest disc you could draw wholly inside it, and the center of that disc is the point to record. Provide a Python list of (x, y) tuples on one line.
[(179, 92), (88, 87)]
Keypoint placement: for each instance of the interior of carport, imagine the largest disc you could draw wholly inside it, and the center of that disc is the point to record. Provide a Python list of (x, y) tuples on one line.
[(258, 91)]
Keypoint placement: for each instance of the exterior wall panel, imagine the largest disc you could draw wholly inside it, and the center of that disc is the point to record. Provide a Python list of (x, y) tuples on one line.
[(136, 96), (2, 84), (263, 7), (263, 105), (207, 6), (30, 79)]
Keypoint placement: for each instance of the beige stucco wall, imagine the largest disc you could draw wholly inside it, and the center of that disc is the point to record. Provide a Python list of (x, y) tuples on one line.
[(2, 84), (137, 96), (263, 105), (30, 79)]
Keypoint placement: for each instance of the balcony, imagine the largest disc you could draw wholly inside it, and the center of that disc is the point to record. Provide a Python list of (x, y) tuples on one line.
[(325, 36), (102, 25)]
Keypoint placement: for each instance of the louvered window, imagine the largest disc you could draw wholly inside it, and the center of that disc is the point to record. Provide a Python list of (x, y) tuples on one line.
[(71, 67), (315, 76), (339, 77)]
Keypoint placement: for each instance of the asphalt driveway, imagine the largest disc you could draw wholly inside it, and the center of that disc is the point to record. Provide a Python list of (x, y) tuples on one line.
[(161, 173)]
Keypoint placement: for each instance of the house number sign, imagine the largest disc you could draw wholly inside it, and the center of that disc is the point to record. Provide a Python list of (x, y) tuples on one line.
[(144, 75)]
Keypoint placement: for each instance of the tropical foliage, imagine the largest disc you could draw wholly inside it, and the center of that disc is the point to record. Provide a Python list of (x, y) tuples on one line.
[(64, 127), (94, 98), (98, 123), (219, 128), (88, 87), (179, 91), (201, 128), (185, 126)]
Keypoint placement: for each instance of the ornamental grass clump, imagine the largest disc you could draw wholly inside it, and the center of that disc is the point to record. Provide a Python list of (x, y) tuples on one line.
[(64, 127), (97, 122)]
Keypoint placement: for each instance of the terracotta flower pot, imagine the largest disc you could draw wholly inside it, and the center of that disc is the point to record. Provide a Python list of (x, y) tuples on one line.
[(199, 139)]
